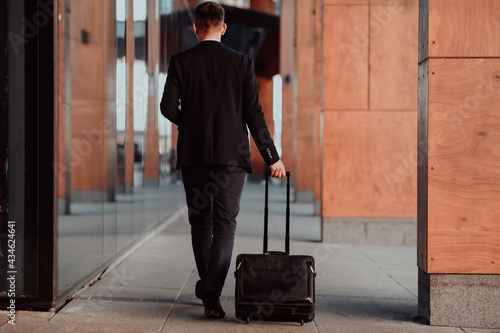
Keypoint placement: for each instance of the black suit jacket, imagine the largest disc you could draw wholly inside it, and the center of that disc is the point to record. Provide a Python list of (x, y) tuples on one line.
[(218, 97)]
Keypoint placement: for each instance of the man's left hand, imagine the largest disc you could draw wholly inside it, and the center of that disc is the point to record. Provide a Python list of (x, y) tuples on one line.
[(278, 170)]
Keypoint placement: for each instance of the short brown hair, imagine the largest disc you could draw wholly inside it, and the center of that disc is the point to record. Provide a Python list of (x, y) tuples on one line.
[(209, 14)]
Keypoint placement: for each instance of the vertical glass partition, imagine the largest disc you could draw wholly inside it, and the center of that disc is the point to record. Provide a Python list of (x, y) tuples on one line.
[(124, 180), (112, 145), (87, 208), (102, 157), (87, 161)]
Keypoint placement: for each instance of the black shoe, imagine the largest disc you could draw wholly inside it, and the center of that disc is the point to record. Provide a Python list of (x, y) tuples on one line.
[(213, 308), (199, 290)]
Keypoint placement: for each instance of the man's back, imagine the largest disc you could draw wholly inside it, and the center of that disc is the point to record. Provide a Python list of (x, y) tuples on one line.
[(218, 93)]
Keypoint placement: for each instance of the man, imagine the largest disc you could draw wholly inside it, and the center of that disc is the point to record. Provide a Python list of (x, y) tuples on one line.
[(211, 94)]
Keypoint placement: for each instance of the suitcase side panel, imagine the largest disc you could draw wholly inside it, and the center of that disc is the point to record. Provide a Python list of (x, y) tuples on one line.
[(275, 277), (275, 287)]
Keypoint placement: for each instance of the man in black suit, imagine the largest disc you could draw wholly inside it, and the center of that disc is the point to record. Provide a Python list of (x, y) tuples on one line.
[(211, 94)]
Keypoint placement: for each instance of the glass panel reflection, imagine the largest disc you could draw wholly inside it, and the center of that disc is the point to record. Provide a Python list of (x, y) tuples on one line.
[(89, 209), (114, 179), (124, 115)]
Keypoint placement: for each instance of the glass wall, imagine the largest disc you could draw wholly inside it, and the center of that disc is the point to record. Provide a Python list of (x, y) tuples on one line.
[(87, 162), (115, 176)]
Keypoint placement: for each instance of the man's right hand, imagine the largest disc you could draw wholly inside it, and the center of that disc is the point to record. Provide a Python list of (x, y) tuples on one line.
[(278, 170)]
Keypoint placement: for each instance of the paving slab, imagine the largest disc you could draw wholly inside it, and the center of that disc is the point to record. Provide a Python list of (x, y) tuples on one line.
[(101, 313), (27, 321)]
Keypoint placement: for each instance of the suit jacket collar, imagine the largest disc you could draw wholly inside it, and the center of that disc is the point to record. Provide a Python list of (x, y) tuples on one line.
[(210, 42)]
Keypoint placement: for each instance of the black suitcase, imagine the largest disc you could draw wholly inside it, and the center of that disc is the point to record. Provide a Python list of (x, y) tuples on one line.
[(275, 286)]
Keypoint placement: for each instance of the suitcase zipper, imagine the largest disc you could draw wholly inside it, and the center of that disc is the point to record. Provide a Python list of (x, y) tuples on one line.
[(310, 264)]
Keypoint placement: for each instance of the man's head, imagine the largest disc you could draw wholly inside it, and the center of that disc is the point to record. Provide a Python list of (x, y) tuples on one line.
[(209, 20)]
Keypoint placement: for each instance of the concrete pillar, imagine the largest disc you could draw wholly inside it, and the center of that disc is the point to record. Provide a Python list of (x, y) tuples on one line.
[(459, 163)]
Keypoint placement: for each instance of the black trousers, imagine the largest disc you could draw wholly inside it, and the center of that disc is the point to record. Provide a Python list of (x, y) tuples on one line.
[(213, 196)]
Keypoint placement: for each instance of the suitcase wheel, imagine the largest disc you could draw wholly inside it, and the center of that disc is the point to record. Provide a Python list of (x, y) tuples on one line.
[(302, 322), (248, 320)]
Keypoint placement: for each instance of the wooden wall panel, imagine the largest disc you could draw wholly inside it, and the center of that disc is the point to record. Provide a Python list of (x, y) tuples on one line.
[(86, 147), (369, 164), (464, 166), (287, 129), (86, 83), (306, 18), (393, 57), (345, 57), (180, 5), (404, 3), (464, 28), (152, 139), (370, 70), (266, 6), (87, 95), (288, 73), (346, 2), (304, 178), (306, 87), (266, 100), (306, 91), (92, 94), (367, 2), (318, 61)]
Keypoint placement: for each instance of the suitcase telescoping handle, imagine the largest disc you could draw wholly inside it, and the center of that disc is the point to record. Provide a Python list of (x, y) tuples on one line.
[(266, 213)]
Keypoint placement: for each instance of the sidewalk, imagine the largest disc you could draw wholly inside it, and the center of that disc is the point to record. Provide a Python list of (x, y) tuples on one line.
[(358, 288)]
